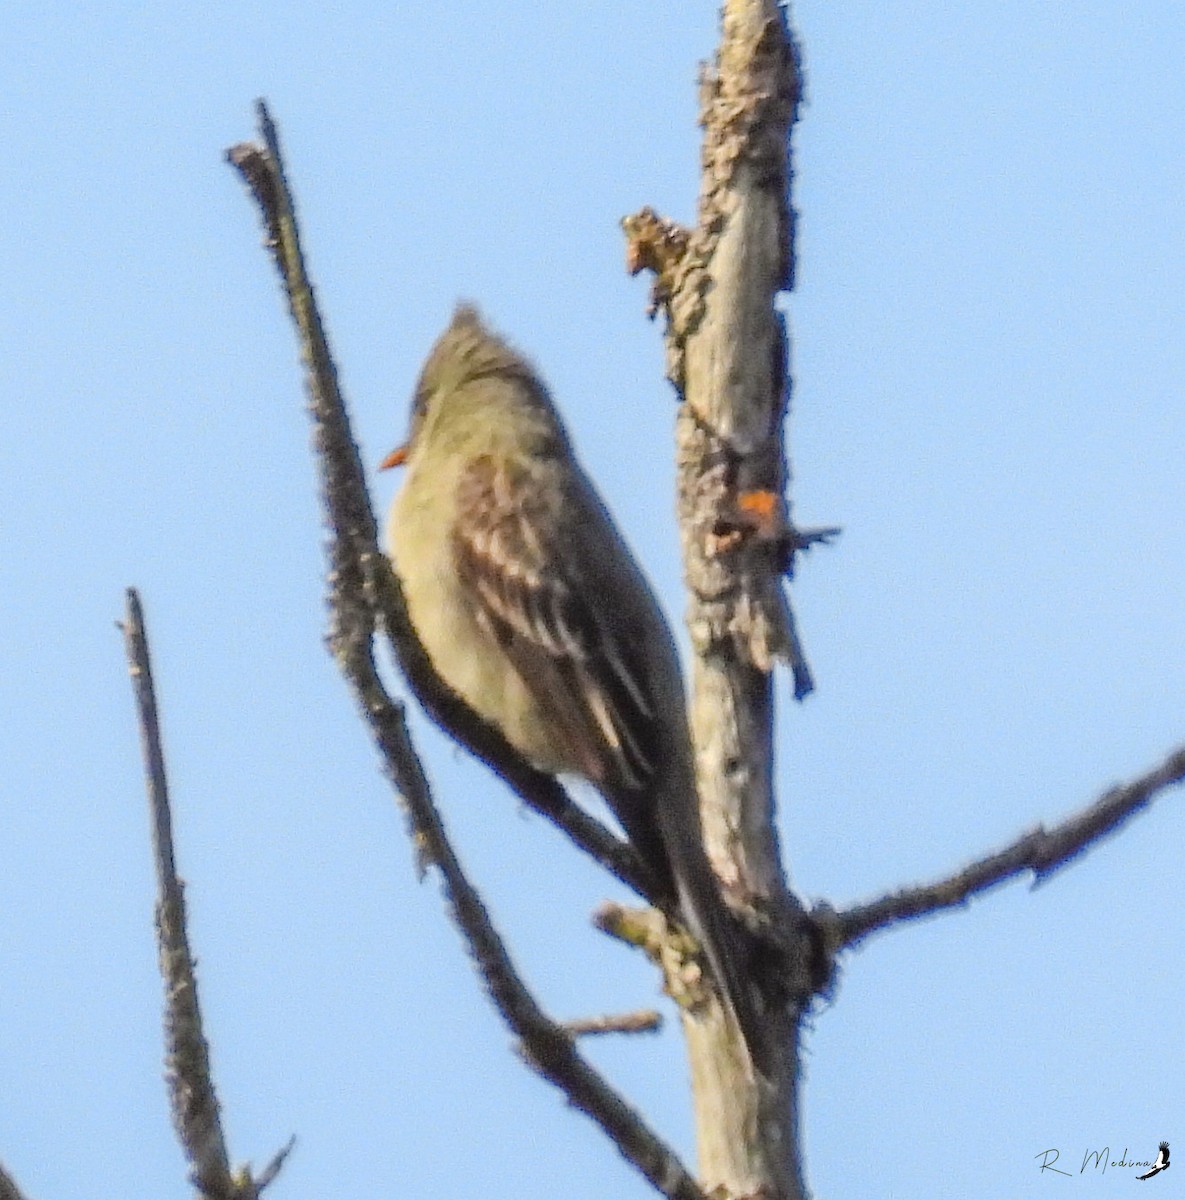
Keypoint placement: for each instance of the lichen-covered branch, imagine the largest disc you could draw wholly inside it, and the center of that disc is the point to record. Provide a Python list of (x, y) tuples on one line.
[(547, 1046), (727, 358), (1041, 851), (726, 353), (361, 586)]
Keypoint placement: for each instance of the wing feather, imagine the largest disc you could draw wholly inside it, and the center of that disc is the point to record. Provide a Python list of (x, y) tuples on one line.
[(519, 564)]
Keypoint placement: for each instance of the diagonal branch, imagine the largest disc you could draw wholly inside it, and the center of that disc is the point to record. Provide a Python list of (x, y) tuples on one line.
[(545, 1045), (354, 549), (363, 587), (1042, 851)]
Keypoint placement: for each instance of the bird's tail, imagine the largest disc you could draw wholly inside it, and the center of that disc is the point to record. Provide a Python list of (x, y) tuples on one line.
[(667, 834), (723, 942)]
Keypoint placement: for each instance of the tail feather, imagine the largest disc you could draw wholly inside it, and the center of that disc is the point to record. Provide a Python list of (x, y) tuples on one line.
[(720, 937), (665, 830)]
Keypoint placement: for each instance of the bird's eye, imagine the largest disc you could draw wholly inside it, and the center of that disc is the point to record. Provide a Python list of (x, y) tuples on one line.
[(419, 407)]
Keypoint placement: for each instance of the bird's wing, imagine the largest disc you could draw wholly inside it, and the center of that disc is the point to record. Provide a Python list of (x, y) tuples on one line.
[(516, 555)]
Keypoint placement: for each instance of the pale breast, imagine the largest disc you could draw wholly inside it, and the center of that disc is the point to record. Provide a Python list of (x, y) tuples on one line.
[(462, 649)]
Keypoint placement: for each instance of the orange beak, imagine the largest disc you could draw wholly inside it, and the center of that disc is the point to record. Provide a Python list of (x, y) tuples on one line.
[(396, 458)]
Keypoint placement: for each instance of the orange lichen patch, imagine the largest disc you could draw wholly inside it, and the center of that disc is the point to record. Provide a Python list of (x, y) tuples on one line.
[(761, 508), (758, 514)]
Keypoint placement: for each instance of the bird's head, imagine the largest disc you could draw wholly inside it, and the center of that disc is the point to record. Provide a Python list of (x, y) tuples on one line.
[(466, 355)]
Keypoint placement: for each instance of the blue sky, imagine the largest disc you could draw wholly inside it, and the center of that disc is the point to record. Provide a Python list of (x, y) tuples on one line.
[(988, 356)]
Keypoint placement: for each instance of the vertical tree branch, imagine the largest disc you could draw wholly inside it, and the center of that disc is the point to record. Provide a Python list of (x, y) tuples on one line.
[(727, 350), (727, 358), (187, 1054), (187, 1057)]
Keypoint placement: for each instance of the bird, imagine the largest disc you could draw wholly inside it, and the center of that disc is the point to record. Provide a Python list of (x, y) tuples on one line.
[(1161, 1164), (535, 613)]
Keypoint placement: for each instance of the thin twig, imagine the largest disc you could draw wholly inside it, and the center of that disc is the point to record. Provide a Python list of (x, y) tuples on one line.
[(1041, 851), (543, 1043), (187, 1058), (187, 1055), (361, 584), (273, 1168), (644, 1020)]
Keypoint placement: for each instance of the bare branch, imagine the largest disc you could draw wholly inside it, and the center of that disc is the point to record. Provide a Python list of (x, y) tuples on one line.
[(667, 946), (362, 584), (354, 548), (187, 1058), (187, 1053), (544, 1044), (1042, 851), (8, 1187), (644, 1020), (726, 355), (273, 1168)]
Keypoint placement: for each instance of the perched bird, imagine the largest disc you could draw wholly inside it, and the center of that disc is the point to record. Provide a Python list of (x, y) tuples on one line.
[(534, 612), (1161, 1164)]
